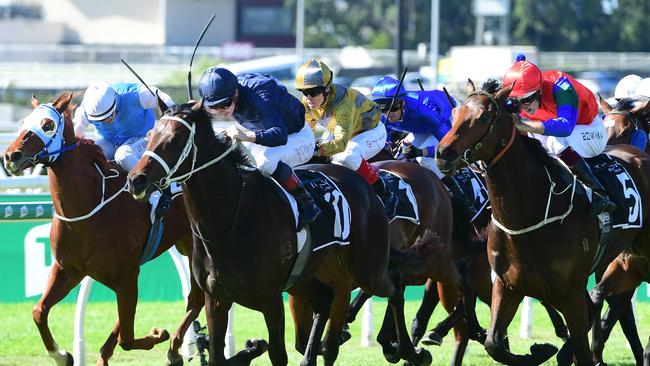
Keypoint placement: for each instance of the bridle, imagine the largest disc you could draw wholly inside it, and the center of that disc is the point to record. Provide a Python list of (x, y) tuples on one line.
[(494, 130), (190, 146), (55, 138)]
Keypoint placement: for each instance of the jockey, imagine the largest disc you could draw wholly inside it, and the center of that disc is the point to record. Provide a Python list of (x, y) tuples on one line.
[(272, 127), (122, 114), (426, 116), (561, 113), (625, 88), (642, 89), (354, 132)]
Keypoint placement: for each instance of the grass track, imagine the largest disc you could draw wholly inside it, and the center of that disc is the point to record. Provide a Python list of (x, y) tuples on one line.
[(21, 343)]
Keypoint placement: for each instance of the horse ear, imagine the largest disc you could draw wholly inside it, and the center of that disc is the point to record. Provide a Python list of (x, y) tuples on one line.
[(62, 101), (503, 93), (35, 102), (197, 105), (603, 104), (161, 104), (470, 87)]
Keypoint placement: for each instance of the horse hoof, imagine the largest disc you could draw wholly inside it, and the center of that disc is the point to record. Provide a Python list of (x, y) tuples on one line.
[(601, 364), (479, 336), (160, 333), (432, 339), (256, 347), (69, 359), (542, 352), (422, 357), (391, 352), (174, 359)]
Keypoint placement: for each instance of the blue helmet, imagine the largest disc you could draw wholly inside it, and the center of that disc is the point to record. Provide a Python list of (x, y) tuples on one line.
[(385, 88), (217, 85)]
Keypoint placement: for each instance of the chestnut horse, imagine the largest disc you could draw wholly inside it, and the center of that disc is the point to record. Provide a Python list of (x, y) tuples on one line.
[(92, 234), (624, 118), (245, 239), (549, 259)]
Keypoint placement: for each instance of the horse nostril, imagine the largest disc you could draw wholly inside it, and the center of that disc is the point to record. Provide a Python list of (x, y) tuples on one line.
[(138, 182), (16, 156)]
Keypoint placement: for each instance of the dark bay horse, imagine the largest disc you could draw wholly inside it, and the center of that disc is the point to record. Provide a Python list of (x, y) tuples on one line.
[(92, 234), (245, 240), (548, 258), (621, 278), (435, 225)]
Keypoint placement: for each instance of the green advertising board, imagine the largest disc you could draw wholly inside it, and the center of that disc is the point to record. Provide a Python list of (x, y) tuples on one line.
[(26, 259)]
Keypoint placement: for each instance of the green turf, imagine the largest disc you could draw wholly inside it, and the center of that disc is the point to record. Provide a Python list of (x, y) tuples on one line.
[(21, 344)]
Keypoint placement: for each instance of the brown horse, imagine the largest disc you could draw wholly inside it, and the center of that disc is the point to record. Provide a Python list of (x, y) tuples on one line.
[(91, 236), (624, 118), (435, 218), (245, 239), (619, 281), (548, 258)]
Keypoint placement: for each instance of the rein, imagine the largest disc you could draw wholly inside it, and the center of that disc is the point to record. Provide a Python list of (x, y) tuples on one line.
[(191, 145)]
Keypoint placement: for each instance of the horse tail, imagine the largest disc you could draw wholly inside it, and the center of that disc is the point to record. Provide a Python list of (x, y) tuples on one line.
[(412, 262), (463, 242)]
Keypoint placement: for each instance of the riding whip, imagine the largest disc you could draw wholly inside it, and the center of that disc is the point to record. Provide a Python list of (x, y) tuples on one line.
[(189, 72)]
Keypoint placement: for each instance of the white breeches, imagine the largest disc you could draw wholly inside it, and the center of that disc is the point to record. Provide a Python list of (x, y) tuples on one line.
[(587, 140), (125, 155), (362, 147), (298, 150)]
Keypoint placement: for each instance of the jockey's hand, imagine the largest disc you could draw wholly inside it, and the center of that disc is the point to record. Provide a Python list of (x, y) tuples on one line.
[(411, 152), (529, 126), (240, 133)]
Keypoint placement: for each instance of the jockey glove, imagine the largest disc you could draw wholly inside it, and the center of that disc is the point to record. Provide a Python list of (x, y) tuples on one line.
[(411, 152)]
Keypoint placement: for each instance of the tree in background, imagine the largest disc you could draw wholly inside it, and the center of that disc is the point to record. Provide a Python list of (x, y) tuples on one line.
[(551, 25), (372, 23)]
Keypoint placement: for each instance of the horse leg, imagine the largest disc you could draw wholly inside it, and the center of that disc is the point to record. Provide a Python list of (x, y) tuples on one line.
[(628, 325), (561, 330), (450, 300), (302, 314), (504, 305), (429, 301), (127, 299), (195, 301), (107, 349), (59, 284), (274, 318), (335, 329), (620, 309), (578, 314), (319, 296), (475, 331), (353, 310)]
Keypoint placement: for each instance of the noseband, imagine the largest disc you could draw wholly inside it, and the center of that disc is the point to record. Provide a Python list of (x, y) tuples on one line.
[(505, 143)]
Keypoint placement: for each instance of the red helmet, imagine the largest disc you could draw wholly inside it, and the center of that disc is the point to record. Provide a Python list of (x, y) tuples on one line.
[(526, 76)]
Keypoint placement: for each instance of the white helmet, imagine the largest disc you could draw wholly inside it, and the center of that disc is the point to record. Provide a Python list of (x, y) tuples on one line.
[(643, 89), (626, 86), (100, 101)]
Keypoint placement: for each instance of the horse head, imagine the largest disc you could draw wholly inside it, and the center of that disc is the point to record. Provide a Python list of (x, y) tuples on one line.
[(622, 119), (480, 129), (42, 136)]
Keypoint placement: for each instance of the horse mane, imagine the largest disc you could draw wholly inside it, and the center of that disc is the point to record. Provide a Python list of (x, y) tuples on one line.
[(491, 86), (237, 156), (541, 156), (626, 104), (94, 153)]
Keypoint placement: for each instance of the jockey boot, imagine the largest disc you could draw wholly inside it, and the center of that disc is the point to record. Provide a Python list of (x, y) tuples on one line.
[(600, 200), (164, 203), (371, 174), (460, 196), (307, 209)]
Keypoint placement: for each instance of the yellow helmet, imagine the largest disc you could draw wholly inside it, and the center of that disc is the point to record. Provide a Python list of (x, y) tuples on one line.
[(312, 74)]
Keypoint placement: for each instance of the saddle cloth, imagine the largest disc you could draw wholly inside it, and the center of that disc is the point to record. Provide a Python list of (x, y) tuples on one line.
[(176, 190), (621, 190), (332, 226), (407, 206), (474, 188)]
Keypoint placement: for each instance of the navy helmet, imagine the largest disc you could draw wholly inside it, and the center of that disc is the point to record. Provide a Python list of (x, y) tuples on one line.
[(217, 85)]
